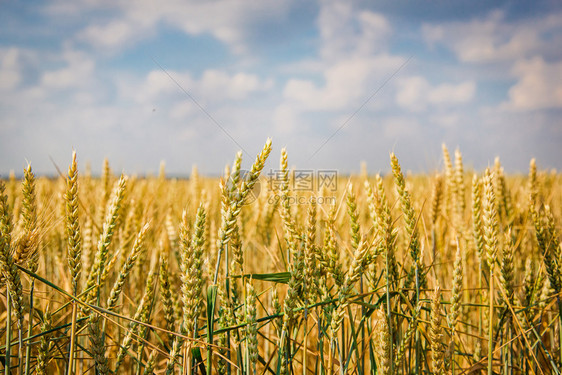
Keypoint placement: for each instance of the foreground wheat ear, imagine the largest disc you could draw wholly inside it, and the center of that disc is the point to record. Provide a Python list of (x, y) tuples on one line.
[(453, 272)]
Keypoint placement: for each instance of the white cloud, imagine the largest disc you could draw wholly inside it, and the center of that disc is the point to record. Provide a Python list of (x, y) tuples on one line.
[(183, 110), (345, 30), (231, 22), (78, 72), (10, 75), (353, 60), (346, 83), (334, 24), (375, 30), (539, 85), (522, 49), (400, 127), (112, 35), (447, 93), (416, 93), (494, 39), (412, 93), (285, 119), (214, 86), (157, 85), (218, 84), (445, 120)]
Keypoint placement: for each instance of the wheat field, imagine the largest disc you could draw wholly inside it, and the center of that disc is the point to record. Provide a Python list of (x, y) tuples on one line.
[(455, 272)]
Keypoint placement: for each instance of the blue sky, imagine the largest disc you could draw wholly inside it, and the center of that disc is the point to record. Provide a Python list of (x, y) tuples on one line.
[(144, 81)]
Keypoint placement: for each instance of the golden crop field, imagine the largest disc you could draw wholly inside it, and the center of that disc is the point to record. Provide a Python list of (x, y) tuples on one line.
[(456, 272)]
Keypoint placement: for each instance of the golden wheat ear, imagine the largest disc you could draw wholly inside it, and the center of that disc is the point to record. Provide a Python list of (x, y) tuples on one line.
[(382, 342), (73, 232), (9, 270), (251, 328), (436, 334)]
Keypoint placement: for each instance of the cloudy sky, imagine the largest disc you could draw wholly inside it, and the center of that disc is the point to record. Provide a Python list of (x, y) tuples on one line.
[(335, 82)]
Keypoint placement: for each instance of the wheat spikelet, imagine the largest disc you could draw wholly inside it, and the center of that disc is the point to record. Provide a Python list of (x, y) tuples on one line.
[(44, 347), (321, 257), (74, 238), (237, 253), (166, 295), (275, 304), (507, 268), (489, 220), (407, 209), (382, 342), (251, 327), (353, 217), (195, 183), (192, 270), (477, 226), (141, 315), (312, 272), (407, 337), (411, 223), (360, 262), (97, 347), (460, 203), (126, 268), (331, 248), (10, 273), (171, 232), (234, 177), (291, 233), (549, 244), (232, 206), (106, 186), (226, 319), (436, 334), (437, 196), (505, 200), (289, 305), (387, 230), (87, 256), (529, 284), (150, 363), (26, 245), (109, 225), (146, 313), (533, 184), (456, 292), (12, 192), (450, 185)]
